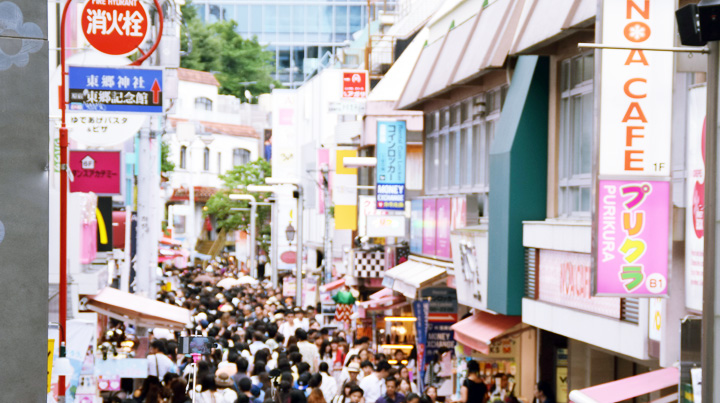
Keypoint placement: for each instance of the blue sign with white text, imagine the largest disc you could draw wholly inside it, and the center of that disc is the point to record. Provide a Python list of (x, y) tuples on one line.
[(391, 153), (115, 89)]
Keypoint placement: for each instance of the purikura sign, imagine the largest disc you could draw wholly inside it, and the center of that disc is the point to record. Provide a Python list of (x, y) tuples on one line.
[(636, 88), (633, 225)]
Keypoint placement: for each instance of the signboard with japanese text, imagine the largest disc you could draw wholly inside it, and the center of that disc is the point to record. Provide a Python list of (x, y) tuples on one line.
[(636, 88), (695, 198), (115, 89), (421, 309), (443, 303), (564, 278), (440, 334), (633, 235), (115, 27), (416, 226), (354, 84), (390, 170), (442, 224), (99, 172), (366, 208), (428, 230), (100, 129)]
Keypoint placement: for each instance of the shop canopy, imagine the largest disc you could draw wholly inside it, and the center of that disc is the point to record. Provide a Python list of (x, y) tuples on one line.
[(334, 285), (139, 310), (478, 331), (381, 303), (412, 275), (628, 388)]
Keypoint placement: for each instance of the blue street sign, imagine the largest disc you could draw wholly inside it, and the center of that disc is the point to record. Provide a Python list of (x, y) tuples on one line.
[(391, 150), (115, 89)]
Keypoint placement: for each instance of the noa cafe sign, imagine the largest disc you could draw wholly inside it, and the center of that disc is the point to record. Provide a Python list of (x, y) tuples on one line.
[(636, 88), (115, 27)]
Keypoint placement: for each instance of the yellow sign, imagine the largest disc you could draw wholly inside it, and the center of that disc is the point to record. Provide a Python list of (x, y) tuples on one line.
[(51, 348), (561, 379)]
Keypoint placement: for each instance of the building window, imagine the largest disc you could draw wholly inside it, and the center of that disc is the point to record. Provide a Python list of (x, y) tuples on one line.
[(576, 128), (203, 104), (457, 145), (241, 156), (206, 159), (183, 157)]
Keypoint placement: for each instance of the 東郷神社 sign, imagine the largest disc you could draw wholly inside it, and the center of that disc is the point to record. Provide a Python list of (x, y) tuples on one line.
[(106, 89)]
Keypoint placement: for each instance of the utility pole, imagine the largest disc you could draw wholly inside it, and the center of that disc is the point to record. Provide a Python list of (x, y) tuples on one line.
[(299, 253), (274, 233), (147, 240)]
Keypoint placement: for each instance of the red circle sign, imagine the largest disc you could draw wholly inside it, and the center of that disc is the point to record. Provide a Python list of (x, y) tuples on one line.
[(115, 27)]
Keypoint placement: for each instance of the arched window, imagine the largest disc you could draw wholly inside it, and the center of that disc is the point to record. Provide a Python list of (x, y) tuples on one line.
[(206, 159), (183, 157), (203, 104), (241, 156)]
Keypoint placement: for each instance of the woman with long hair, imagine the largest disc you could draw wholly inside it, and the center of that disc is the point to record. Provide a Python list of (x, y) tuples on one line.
[(177, 391), (431, 394), (316, 394), (473, 389)]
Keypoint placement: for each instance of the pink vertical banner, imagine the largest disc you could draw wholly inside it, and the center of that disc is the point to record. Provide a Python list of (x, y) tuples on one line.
[(442, 244), (633, 238), (429, 215), (323, 157)]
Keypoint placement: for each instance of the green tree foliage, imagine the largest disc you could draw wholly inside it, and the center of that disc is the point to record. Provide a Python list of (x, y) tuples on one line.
[(165, 164), (236, 181), (220, 49)]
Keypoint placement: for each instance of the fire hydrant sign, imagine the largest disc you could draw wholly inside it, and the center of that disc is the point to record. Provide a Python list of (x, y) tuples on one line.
[(105, 89), (115, 27), (96, 171)]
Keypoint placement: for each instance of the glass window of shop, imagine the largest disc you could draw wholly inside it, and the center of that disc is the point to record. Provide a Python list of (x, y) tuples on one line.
[(457, 146), (575, 140)]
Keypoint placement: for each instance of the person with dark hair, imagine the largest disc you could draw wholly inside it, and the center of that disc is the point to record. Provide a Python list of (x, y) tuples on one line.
[(412, 398), (177, 391), (309, 351), (356, 394), (392, 395), (315, 394), (473, 388), (242, 367), (543, 393), (258, 342), (151, 391), (374, 385), (158, 363), (366, 367), (207, 390), (329, 384), (431, 394), (245, 387)]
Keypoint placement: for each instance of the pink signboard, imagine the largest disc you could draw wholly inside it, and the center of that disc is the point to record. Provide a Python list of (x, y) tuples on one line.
[(442, 248), (96, 171), (429, 214), (633, 237)]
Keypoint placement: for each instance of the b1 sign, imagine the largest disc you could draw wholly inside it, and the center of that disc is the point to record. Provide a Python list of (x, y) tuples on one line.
[(633, 236), (636, 88), (99, 172), (391, 153)]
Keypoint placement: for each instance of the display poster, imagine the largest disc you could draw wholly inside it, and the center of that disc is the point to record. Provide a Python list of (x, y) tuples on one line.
[(695, 198), (443, 228), (636, 88), (633, 233), (416, 226), (390, 169), (422, 311), (429, 235), (470, 259)]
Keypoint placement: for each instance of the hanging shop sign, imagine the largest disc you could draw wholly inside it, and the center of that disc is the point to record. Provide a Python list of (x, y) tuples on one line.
[(366, 208), (564, 278), (421, 309), (443, 303), (344, 192), (390, 170), (354, 84), (116, 89), (470, 259), (416, 226), (115, 27), (103, 129), (633, 236), (99, 172), (443, 227), (636, 88), (695, 198)]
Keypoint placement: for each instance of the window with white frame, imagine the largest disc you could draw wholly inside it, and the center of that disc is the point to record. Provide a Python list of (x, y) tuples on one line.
[(457, 146), (203, 104), (241, 156), (575, 140)]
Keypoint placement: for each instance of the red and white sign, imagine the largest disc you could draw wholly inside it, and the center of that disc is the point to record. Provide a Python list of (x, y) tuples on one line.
[(636, 88), (99, 172), (564, 279), (115, 27), (695, 198), (354, 84)]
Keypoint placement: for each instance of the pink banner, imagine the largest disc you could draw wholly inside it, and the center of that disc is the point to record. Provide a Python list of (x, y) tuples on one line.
[(429, 214), (442, 248), (633, 237)]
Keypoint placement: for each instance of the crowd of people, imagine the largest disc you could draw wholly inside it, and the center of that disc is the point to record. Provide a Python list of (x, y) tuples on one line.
[(265, 349)]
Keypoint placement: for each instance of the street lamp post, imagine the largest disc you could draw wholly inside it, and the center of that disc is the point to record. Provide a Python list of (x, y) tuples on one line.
[(274, 231), (253, 208)]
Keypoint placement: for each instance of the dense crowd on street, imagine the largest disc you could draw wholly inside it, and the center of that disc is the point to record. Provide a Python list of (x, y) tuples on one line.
[(265, 349)]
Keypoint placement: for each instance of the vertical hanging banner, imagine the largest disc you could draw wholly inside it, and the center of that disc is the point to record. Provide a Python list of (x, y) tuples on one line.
[(695, 198), (632, 214), (422, 313), (391, 154), (344, 192)]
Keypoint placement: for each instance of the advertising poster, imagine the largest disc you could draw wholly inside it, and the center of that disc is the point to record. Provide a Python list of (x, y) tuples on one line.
[(390, 170), (416, 226), (422, 311), (440, 334), (633, 238), (428, 229), (443, 248), (695, 198)]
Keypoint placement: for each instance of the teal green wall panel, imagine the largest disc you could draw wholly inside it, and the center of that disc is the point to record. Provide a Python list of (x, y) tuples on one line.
[(518, 180)]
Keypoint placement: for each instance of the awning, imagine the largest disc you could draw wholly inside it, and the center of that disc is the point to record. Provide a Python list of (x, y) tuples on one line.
[(478, 331), (139, 310), (385, 292), (628, 388), (381, 302), (545, 21), (408, 277), (333, 285)]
